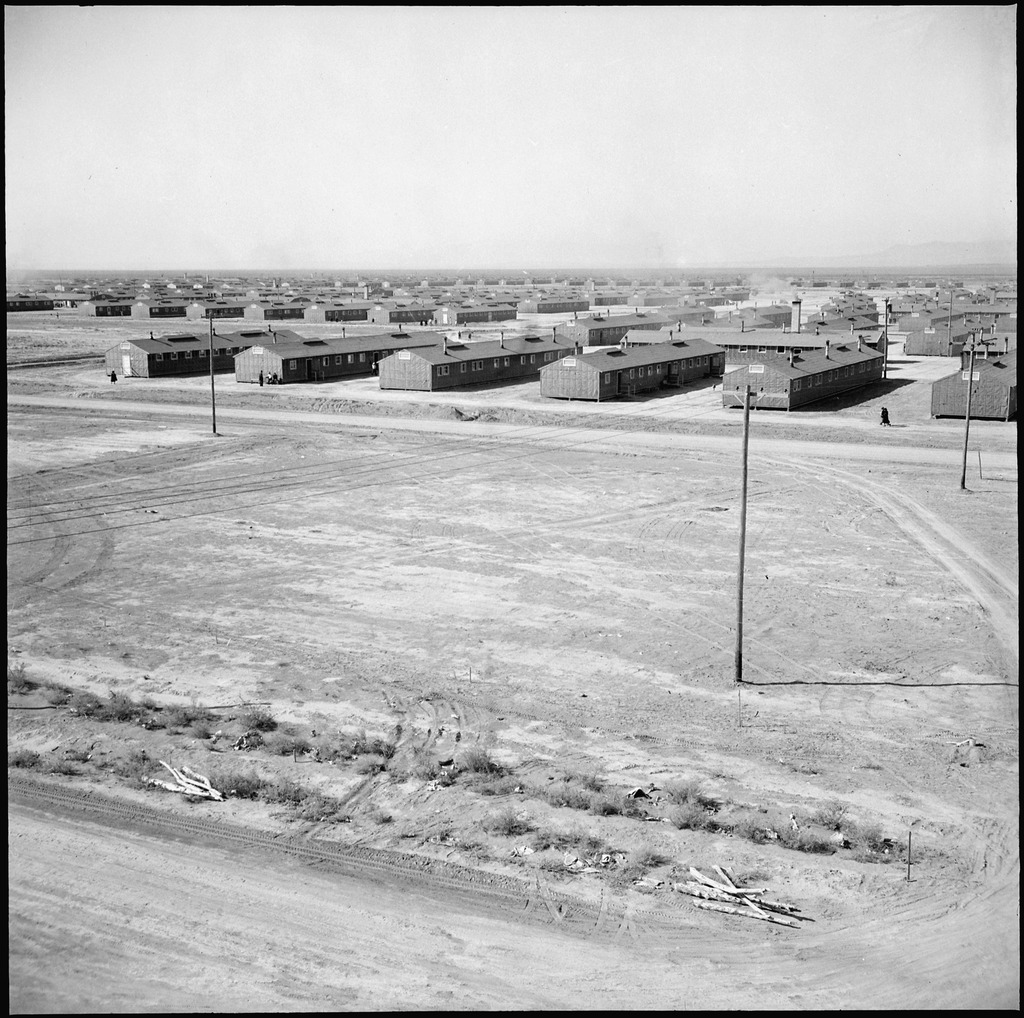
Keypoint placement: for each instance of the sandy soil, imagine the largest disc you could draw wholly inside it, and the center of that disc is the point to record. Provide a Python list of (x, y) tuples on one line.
[(563, 596)]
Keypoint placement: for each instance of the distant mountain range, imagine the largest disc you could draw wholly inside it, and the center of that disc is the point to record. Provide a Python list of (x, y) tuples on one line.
[(936, 253)]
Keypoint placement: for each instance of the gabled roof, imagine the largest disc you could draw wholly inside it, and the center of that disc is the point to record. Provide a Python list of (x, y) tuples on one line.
[(813, 362), (617, 358)]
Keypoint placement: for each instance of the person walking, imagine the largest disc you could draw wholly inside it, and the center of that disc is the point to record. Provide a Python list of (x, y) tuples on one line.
[(113, 377), (261, 379), (885, 418)]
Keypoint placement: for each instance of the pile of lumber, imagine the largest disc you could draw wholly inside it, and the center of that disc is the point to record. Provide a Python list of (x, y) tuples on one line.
[(723, 895), (188, 782)]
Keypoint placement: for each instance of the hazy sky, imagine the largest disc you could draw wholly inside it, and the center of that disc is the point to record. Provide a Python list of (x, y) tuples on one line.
[(314, 137)]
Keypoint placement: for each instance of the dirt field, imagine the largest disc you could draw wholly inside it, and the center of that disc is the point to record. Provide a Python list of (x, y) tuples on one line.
[(556, 588)]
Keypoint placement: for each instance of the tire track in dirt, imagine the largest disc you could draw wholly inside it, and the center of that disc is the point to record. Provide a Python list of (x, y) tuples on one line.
[(995, 591), (506, 894)]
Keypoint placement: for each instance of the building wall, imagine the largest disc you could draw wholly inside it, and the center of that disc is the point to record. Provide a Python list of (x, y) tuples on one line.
[(773, 390), (935, 343), (571, 378), (405, 372), (992, 398), (30, 305)]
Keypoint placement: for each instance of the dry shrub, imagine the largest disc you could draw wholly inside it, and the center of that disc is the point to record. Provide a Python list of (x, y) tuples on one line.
[(507, 822), (260, 719), (371, 765), (318, 807), (805, 841), (85, 703), (184, 715), (24, 758), (65, 767), (477, 760), (497, 786), (752, 827), (589, 780), (561, 793), (285, 744), (690, 791), (832, 813), (242, 783), (120, 707), (17, 680), (605, 806), (692, 817)]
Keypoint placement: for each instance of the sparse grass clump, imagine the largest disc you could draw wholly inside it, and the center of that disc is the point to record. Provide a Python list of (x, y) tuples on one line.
[(318, 807), (185, 715), (17, 680), (605, 806), (85, 703), (120, 707), (805, 841), (508, 823), (690, 791), (831, 814), (589, 780), (497, 786), (562, 793), (691, 816), (23, 758), (751, 827), (259, 719), (64, 767), (57, 694), (477, 760), (134, 767), (281, 743), (242, 783)]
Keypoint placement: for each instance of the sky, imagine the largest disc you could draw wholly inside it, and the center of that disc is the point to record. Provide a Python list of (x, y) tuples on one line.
[(504, 137)]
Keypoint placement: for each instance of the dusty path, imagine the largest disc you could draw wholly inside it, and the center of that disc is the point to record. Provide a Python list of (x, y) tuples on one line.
[(329, 935)]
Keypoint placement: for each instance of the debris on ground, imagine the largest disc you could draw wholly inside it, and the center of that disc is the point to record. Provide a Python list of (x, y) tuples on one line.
[(188, 782), (250, 740), (724, 896)]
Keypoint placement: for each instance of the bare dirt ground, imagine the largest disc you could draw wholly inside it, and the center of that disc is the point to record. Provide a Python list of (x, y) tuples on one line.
[(558, 591)]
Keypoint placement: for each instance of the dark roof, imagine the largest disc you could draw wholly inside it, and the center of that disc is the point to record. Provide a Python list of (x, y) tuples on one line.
[(618, 358), (812, 362)]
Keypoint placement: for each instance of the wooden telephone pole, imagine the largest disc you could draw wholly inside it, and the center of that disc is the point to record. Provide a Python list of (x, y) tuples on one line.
[(743, 542), (967, 415), (213, 392)]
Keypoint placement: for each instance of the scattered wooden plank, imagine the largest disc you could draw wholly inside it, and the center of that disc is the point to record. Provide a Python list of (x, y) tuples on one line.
[(747, 913), (696, 874)]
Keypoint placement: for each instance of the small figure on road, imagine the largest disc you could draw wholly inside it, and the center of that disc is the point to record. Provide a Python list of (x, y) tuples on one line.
[(261, 379), (885, 418), (113, 377)]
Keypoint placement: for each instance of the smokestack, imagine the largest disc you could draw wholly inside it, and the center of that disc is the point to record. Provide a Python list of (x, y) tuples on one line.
[(795, 323)]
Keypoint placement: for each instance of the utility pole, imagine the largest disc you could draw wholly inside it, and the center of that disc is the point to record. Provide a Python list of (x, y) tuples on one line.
[(213, 394), (885, 341), (949, 326), (967, 415), (743, 541)]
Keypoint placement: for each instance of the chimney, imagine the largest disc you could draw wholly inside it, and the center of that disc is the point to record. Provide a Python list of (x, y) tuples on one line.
[(743, 325), (151, 335), (444, 346), (860, 344), (795, 325), (827, 347), (792, 354)]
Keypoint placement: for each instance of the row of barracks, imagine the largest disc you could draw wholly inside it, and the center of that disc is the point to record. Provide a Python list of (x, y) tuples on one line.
[(451, 364), (630, 370), (784, 383), (295, 359)]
